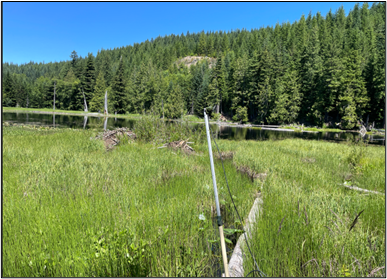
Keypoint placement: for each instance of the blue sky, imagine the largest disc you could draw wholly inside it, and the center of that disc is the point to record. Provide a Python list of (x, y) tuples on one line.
[(41, 31)]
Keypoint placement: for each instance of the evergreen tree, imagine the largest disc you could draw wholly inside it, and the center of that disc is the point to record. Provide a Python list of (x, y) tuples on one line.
[(8, 91), (98, 100), (88, 81), (118, 89), (106, 69), (225, 43), (202, 47), (174, 106), (70, 77), (312, 81), (354, 96)]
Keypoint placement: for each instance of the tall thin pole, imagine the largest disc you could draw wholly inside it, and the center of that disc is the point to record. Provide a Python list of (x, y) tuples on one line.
[(219, 218)]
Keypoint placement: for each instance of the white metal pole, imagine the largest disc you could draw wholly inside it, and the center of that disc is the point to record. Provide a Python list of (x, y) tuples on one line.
[(219, 218)]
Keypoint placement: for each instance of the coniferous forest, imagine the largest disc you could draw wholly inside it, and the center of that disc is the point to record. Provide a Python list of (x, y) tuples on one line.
[(321, 69)]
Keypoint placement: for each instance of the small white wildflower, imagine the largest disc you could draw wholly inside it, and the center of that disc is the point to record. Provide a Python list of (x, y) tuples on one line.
[(202, 217)]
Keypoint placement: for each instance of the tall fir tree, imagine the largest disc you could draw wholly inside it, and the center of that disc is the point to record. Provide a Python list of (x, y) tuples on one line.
[(118, 88), (9, 99), (97, 102)]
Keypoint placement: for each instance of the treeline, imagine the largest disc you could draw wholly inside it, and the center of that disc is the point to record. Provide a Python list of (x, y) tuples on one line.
[(315, 71)]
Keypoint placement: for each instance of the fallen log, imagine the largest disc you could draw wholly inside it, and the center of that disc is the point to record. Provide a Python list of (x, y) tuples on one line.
[(360, 189), (236, 262)]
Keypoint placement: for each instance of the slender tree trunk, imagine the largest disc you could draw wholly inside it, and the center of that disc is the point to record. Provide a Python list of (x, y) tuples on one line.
[(84, 99), (84, 121), (368, 115), (192, 108), (106, 105)]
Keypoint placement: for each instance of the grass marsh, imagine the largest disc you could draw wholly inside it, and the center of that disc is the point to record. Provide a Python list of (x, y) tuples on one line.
[(70, 208)]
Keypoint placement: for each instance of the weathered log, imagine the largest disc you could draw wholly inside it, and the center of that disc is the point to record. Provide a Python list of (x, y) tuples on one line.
[(236, 261), (360, 189)]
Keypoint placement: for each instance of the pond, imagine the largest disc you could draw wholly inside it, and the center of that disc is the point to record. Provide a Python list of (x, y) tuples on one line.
[(223, 132)]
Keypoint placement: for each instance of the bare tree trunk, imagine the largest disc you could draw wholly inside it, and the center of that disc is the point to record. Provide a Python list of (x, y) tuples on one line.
[(84, 121), (105, 123), (54, 93), (162, 104), (368, 115), (84, 99), (192, 108), (106, 105)]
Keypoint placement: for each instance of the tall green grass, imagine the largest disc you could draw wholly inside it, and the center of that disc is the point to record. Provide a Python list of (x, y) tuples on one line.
[(70, 208), (304, 228)]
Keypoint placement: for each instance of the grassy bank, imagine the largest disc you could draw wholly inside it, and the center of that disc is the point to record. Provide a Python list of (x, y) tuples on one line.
[(72, 209), (305, 226)]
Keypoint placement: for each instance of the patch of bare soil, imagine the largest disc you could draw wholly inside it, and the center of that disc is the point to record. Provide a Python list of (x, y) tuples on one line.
[(252, 174), (111, 138), (179, 144)]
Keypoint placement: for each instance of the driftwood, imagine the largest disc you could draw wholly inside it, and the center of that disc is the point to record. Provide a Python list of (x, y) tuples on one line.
[(360, 189), (179, 144), (236, 262), (111, 137)]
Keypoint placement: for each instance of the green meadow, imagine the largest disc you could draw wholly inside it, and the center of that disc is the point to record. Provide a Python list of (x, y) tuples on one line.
[(73, 209)]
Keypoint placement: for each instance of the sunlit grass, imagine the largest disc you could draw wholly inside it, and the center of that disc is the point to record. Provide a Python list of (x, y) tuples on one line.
[(303, 189), (72, 209)]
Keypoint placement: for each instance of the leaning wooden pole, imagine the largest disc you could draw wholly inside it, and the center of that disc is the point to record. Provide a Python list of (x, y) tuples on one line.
[(219, 218)]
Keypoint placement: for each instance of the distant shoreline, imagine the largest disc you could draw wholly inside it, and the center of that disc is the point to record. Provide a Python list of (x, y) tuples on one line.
[(135, 116)]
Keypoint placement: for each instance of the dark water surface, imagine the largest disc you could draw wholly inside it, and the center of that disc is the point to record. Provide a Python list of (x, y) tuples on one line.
[(223, 132)]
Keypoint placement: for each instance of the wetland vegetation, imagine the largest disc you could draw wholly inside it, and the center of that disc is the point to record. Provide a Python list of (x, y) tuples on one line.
[(71, 208)]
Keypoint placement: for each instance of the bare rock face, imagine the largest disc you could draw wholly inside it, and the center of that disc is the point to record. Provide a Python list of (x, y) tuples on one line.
[(193, 60)]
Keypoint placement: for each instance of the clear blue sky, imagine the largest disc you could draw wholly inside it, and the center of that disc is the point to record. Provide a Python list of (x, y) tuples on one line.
[(39, 31)]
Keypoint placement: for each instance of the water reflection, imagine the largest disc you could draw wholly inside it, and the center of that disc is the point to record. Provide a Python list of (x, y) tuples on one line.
[(222, 132)]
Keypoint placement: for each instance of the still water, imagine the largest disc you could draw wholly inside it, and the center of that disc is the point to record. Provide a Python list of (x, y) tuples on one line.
[(223, 132)]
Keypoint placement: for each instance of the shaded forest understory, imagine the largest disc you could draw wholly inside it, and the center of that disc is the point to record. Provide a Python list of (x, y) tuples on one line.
[(318, 70)]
